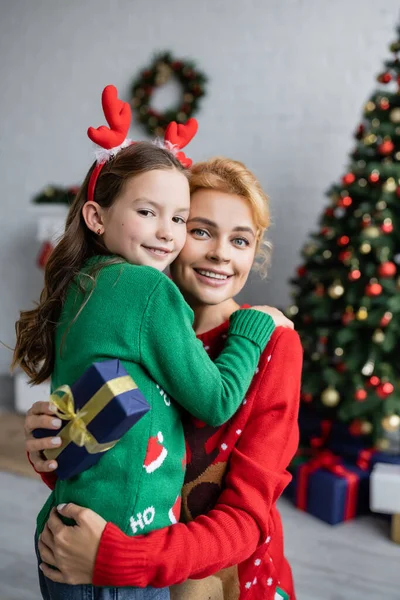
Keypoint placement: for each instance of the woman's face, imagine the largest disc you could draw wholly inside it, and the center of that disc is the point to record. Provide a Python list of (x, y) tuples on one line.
[(219, 250)]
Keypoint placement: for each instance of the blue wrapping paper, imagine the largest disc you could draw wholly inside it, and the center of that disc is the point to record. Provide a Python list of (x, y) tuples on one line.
[(327, 494), (109, 425)]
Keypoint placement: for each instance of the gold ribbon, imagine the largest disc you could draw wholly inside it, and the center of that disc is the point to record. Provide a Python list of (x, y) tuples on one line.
[(76, 430)]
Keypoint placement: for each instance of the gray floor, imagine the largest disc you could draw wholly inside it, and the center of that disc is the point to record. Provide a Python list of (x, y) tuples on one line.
[(355, 561)]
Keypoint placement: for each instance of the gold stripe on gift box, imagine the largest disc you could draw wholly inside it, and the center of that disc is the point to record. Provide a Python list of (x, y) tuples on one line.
[(76, 430)]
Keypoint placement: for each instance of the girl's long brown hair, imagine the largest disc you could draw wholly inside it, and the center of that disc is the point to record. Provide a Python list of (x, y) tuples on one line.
[(35, 350)]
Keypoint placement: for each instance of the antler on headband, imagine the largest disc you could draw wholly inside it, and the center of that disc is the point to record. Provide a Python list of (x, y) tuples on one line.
[(179, 136), (118, 115), (113, 138)]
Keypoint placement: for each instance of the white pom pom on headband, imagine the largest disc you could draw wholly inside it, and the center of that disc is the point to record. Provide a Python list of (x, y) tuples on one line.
[(113, 138)]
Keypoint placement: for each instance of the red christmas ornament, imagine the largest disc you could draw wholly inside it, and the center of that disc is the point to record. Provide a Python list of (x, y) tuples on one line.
[(374, 380), (345, 255), (365, 221), (384, 104), (360, 395), (345, 202), (348, 179), (384, 390), (301, 271), (384, 77), (329, 212), (386, 148), (323, 339), (398, 191), (374, 177), (355, 427), (341, 367), (386, 227), (373, 289), (44, 254), (360, 131), (385, 320), (324, 230), (343, 240), (387, 269), (319, 291), (354, 275), (306, 398), (347, 318)]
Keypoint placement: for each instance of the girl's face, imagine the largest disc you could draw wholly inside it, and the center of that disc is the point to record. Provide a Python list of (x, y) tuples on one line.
[(220, 248), (147, 222)]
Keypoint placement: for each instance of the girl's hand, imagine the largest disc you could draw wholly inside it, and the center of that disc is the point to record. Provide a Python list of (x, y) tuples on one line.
[(72, 550), (278, 317), (41, 415)]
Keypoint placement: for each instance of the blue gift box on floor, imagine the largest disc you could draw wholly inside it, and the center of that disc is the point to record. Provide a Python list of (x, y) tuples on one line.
[(327, 493), (99, 408)]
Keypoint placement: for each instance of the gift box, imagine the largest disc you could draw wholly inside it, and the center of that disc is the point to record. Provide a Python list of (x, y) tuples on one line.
[(385, 457), (315, 431), (331, 490), (354, 452), (98, 409)]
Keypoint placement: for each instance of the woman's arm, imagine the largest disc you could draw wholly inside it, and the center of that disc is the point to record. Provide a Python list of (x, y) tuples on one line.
[(231, 531)]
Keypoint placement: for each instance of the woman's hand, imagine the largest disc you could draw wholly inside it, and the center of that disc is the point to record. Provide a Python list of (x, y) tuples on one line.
[(278, 317), (72, 550), (41, 415)]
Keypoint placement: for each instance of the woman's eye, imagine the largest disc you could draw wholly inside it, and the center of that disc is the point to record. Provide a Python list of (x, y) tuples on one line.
[(179, 220), (145, 213), (241, 242), (200, 233)]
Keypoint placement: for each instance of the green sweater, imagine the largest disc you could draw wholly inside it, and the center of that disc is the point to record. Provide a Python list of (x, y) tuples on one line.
[(138, 315)]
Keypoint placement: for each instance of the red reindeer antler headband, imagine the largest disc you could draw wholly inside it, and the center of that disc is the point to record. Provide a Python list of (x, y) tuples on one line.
[(112, 139)]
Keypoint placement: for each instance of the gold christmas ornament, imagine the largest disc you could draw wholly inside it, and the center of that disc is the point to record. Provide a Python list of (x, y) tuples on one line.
[(365, 248), (397, 155), (382, 444), (362, 314), (378, 336), (390, 185), (369, 139), (310, 249), (327, 254), (358, 213), (362, 182), (315, 356), (391, 423), (381, 205), (375, 122), (338, 351), (293, 310), (368, 368), (330, 396), (370, 106), (372, 232), (336, 289), (395, 115), (366, 427)]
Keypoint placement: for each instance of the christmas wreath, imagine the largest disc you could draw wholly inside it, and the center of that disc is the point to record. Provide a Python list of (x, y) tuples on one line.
[(162, 69)]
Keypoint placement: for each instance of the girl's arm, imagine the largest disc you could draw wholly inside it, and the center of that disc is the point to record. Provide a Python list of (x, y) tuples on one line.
[(256, 478), (177, 361)]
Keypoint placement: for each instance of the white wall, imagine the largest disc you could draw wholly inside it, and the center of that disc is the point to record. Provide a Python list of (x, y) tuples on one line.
[(288, 79)]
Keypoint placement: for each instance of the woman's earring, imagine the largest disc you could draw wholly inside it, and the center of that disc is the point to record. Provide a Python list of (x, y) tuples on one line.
[(98, 231)]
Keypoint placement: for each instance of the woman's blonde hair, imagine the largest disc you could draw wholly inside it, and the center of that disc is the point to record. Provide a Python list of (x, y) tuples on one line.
[(233, 177)]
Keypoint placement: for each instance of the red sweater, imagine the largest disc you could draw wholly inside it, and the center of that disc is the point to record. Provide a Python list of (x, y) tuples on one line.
[(242, 529)]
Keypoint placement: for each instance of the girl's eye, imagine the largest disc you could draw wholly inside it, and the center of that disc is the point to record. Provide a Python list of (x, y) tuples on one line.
[(145, 213), (179, 220), (200, 233), (241, 242)]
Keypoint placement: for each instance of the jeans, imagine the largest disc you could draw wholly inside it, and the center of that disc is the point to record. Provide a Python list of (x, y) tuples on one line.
[(62, 591)]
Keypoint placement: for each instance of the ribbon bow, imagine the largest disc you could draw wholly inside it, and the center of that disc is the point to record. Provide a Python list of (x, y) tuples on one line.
[(76, 430), (330, 462)]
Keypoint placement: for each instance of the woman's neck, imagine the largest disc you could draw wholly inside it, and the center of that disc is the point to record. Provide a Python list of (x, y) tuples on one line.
[(208, 316)]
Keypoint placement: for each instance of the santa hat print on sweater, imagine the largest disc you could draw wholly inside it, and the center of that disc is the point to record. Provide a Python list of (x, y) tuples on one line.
[(174, 513), (156, 453)]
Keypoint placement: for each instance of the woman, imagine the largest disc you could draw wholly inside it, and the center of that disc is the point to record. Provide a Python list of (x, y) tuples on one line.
[(231, 546)]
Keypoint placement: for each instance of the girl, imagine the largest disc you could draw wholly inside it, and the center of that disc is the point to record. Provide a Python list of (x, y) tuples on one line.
[(235, 472), (106, 297)]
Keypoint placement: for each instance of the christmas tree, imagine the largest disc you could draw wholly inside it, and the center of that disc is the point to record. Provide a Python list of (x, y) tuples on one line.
[(347, 290)]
